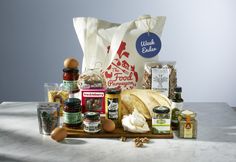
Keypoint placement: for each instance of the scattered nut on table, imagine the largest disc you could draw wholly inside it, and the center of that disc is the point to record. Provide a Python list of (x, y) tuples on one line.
[(123, 139), (145, 140), (140, 141), (138, 144), (136, 139)]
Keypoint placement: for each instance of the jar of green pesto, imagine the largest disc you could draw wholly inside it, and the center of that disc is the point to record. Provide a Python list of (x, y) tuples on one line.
[(187, 124), (161, 120)]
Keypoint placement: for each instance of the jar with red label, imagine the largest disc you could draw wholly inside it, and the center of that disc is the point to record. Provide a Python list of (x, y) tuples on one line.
[(92, 122), (72, 113), (70, 78)]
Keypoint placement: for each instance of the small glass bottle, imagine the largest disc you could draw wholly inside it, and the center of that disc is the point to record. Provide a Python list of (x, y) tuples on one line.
[(187, 124), (177, 105)]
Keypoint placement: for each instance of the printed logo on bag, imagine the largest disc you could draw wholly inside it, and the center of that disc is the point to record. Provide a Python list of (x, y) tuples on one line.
[(121, 73), (148, 45)]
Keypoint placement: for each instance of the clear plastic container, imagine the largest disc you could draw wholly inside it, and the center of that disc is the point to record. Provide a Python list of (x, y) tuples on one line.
[(55, 93), (91, 79)]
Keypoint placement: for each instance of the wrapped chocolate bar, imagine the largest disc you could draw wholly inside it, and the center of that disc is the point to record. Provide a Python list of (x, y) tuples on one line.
[(160, 76)]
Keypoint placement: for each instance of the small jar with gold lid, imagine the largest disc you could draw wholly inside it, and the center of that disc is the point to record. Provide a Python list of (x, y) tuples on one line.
[(187, 124)]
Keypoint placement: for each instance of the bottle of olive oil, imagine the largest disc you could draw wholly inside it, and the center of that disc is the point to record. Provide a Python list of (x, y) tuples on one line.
[(177, 105)]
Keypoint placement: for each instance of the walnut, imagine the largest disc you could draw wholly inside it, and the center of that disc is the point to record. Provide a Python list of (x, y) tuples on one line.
[(136, 139), (138, 144), (140, 141), (123, 139), (145, 140)]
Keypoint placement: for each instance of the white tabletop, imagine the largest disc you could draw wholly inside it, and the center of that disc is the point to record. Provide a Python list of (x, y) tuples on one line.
[(20, 140)]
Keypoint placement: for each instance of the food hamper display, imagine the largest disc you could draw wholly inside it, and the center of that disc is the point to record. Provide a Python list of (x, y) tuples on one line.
[(124, 89)]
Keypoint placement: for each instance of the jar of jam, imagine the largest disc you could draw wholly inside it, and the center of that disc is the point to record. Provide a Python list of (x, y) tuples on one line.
[(72, 113), (70, 78), (161, 120), (92, 122)]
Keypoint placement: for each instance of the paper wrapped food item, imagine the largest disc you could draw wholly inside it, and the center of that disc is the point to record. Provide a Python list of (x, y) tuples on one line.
[(120, 50), (142, 100)]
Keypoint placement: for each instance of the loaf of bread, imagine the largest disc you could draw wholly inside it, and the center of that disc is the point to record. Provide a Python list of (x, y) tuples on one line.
[(143, 100)]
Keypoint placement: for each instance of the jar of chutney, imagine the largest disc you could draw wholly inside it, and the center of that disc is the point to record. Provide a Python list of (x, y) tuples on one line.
[(72, 113), (70, 78), (92, 122)]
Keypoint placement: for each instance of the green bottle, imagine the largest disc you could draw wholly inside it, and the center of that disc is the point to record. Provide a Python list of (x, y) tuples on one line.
[(177, 105)]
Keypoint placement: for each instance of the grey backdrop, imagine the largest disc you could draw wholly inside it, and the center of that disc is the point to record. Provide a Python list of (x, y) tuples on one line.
[(37, 35)]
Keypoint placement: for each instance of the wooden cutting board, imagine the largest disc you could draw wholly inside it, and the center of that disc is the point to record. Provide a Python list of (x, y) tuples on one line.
[(79, 133), (117, 133)]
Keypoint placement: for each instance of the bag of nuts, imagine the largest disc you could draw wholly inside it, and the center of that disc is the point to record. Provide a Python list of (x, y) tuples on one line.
[(160, 76), (91, 79)]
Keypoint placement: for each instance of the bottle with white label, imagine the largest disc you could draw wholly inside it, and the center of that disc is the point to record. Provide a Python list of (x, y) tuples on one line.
[(177, 105)]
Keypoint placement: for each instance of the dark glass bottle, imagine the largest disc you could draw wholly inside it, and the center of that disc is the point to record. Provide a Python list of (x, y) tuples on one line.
[(177, 105)]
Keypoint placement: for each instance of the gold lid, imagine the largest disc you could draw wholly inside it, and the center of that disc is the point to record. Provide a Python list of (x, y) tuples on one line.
[(186, 113)]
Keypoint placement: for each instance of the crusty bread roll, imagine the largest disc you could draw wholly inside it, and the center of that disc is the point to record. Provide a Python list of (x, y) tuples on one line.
[(143, 100)]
